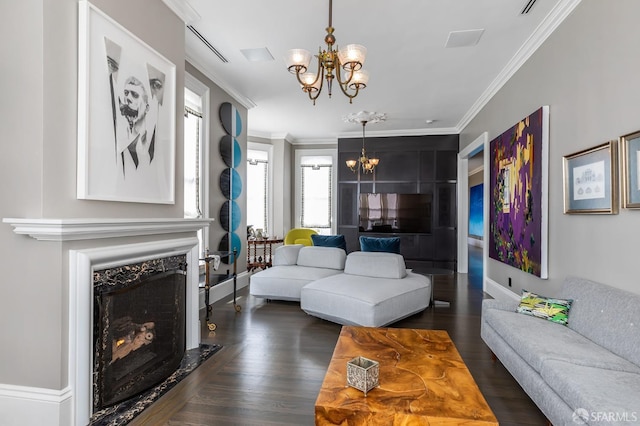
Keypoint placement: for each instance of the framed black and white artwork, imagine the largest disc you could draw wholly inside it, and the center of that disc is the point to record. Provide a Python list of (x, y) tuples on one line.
[(126, 114)]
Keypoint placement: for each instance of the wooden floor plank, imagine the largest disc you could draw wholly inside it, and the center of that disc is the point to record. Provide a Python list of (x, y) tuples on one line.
[(275, 357)]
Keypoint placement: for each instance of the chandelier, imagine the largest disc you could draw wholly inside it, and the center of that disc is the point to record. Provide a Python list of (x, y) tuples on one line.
[(330, 62), (364, 163)]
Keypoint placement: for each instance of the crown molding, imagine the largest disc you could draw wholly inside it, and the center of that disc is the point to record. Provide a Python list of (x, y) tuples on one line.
[(316, 141), (476, 170), (557, 15), (184, 10), (408, 132), (268, 135), (87, 229), (242, 100)]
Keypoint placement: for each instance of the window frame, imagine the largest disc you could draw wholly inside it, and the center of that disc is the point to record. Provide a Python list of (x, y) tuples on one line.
[(333, 153), (255, 146), (202, 90)]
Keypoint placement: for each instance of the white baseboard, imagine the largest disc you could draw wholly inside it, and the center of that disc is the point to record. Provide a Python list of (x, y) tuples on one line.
[(498, 291), (29, 406)]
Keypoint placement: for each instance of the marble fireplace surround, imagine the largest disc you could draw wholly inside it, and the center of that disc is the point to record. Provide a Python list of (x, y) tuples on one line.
[(82, 263)]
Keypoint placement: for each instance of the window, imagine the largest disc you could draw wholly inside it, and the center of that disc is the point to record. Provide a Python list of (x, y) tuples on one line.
[(258, 193), (315, 194), (192, 166), (196, 101)]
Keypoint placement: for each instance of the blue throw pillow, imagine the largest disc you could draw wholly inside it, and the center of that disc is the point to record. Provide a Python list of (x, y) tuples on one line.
[(329, 241), (389, 244)]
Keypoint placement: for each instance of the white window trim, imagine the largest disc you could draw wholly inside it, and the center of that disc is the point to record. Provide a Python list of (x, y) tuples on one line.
[(269, 150), (202, 90), (333, 153)]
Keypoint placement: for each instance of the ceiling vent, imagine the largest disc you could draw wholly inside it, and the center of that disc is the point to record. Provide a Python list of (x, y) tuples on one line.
[(527, 7), (209, 45), (464, 38)]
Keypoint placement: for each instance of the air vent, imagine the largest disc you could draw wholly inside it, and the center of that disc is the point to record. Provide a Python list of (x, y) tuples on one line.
[(206, 43), (527, 7), (464, 38)]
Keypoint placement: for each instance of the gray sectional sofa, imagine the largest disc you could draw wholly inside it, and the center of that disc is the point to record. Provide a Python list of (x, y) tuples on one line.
[(364, 288), (587, 372), (295, 266)]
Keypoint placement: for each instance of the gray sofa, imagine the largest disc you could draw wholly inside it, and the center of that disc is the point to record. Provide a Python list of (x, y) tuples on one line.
[(587, 372)]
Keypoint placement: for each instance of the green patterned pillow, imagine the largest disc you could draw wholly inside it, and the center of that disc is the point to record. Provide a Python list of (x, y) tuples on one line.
[(554, 310)]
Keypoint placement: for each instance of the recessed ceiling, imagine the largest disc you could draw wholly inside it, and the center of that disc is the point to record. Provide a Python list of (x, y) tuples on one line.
[(413, 74)]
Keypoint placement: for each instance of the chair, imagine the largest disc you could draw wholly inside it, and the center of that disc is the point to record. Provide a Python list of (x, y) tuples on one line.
[(299, 236)]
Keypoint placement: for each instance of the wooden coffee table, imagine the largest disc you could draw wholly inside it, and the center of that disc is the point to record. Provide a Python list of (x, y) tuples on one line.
[(423, 381)]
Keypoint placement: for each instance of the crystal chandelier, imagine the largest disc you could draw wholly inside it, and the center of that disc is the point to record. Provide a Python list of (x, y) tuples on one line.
[(330, 62), (364, 163)]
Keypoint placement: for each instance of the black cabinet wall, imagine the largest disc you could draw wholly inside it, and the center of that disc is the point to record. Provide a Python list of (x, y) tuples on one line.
[(408, 165)]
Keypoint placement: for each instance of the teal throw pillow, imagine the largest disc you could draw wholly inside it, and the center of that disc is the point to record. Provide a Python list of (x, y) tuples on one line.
[(329, 241), (387, 244), (554, 310)]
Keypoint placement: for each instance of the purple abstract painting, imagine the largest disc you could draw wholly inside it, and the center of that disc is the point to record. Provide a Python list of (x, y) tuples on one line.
[(518, 195)]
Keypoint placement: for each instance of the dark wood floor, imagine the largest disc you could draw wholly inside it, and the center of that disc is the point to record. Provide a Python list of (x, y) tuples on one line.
[(275, 357)]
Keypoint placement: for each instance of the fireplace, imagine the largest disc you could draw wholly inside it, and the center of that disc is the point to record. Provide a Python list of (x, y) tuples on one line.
[(95, 244), (138, 327)]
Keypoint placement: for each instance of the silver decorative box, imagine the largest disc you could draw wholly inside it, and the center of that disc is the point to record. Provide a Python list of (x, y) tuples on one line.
[(363, 374)]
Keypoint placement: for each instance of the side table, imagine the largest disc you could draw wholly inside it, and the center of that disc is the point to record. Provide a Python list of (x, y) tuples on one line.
[(260, 253)]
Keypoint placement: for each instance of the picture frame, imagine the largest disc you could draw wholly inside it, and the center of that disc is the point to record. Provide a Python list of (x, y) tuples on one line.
[(518, 233), (126, 114), (590, 180), (630, 146)]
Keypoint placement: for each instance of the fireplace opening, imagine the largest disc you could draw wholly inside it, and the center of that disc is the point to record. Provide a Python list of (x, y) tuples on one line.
[(139, 327)]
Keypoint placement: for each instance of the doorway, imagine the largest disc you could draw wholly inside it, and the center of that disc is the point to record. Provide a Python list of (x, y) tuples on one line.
[(468, 162)]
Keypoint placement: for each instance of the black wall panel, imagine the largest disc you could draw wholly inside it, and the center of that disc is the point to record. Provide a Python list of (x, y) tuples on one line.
[(408, 164)]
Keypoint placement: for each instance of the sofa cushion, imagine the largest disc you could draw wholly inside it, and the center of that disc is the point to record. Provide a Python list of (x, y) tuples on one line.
[(550, 309), (371, 302), (286, 255), (322, 257), (598, 310), (386, 244), (537, 341), (378, 265), (285, 282), (605, 396), (329, 241)]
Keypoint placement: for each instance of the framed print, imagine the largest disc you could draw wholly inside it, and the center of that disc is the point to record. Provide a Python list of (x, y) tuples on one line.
[(126, 114), (518, 195), (631, 170), (590, 180)]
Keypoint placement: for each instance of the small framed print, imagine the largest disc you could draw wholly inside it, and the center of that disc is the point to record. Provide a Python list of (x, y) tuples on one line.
[(630, 146), (590, 180)]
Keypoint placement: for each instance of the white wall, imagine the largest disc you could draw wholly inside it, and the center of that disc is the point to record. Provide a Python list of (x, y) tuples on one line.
[(587, 72)]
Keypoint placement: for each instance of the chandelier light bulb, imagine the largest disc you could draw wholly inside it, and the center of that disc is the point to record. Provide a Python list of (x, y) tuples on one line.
[(298, 59), (308, 78), (352, 56), (360, 79)]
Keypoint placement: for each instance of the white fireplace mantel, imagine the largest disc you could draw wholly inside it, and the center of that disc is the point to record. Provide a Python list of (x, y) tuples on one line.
[(174, 236), (95, 228)]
